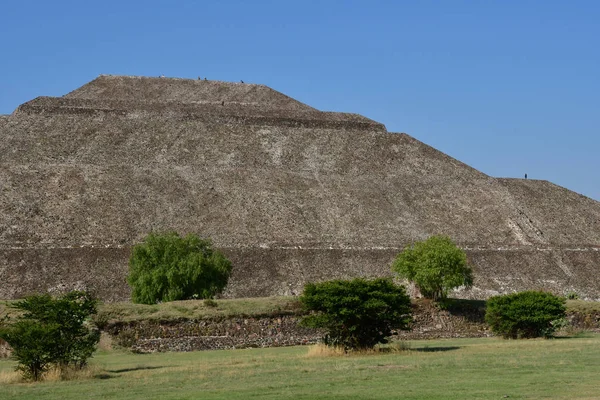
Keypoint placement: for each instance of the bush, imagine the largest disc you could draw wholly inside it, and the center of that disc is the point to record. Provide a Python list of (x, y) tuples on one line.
[(51, 331), (167, 267), (435, 266), (32, 346), (525, 315), (357, 314)]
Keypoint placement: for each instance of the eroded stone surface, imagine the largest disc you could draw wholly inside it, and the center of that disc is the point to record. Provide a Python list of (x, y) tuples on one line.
[(290, 193)]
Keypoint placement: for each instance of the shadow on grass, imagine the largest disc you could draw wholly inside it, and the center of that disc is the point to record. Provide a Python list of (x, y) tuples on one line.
[(575, 335), (104, 376), (427, 349), (138, 368)]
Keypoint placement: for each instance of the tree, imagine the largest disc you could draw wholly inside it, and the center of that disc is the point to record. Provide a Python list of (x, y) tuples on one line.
[(167, 267), (525, 315), (51, 331), (356, 314), (435, 266), (32, 346)]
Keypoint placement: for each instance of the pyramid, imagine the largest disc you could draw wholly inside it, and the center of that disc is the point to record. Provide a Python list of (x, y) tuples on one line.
[(289, 193)]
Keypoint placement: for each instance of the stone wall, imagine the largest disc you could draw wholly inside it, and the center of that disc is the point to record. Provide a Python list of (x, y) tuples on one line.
[(466, 320), (236, 333), (211, 334), (261, 272)]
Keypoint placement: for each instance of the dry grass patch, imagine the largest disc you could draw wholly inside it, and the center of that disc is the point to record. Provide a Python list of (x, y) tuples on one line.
[(73, 374), (321, 350), (56, 374), (9, 377), (106, 342)]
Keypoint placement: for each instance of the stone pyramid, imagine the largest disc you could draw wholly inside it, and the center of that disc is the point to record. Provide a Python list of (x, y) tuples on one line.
[(290, 193)]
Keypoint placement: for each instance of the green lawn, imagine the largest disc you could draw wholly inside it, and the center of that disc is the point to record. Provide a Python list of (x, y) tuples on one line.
[(488, 368)]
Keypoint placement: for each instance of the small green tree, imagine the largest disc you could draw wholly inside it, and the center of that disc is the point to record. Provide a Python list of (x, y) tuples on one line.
[(51, 331), (33, 346), (68, 315), (435, 266), (167, 267), (357, 314), (525, 315)]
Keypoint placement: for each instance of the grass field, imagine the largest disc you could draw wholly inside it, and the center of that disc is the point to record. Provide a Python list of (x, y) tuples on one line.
[(488, 368)]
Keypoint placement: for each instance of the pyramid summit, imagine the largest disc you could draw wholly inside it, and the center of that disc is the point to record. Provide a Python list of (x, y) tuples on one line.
[(290, 194), (160, 90)]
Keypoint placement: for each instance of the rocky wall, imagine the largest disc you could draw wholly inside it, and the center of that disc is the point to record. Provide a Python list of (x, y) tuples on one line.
[(28, 271), (233, 333), (237, 333), (261, 272), (429, 323)]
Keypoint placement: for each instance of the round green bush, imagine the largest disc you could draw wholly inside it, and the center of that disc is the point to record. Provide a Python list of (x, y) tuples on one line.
[(435, 266), (356, 314), (167, 267), (525, 315)]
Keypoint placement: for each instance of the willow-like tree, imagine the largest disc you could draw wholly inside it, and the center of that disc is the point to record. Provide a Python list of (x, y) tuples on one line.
[(167, 267)]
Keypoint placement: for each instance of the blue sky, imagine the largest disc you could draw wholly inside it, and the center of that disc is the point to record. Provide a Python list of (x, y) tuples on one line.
[(508, 87)]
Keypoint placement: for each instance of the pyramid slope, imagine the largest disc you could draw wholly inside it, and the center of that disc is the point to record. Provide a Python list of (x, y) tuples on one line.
[(4, 119), (559, 215), (291, 195)]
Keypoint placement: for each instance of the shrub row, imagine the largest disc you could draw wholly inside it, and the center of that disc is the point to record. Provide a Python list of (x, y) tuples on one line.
[(356, 314)]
